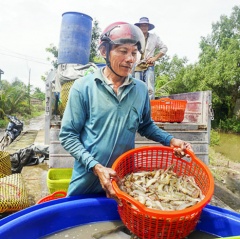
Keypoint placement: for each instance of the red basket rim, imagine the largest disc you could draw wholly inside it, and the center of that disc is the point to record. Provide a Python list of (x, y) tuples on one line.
[(154, 212), (53, 196), (169, 99)]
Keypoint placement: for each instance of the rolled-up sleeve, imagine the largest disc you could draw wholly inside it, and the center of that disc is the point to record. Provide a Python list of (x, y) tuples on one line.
[(161, 46)]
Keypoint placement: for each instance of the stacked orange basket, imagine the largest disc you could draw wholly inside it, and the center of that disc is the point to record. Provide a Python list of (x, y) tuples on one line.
[(147, 223), (168, 110)]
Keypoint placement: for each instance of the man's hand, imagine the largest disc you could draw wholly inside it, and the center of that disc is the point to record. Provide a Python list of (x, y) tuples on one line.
[(105, 176), (179, 147), (151, 61)]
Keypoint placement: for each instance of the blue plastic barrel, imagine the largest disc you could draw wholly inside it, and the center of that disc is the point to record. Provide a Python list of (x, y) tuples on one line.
[(75, 38)]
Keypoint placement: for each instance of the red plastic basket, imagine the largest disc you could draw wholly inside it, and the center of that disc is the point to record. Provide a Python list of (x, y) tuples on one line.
[(53, 196), (149, 223), (168, 110)]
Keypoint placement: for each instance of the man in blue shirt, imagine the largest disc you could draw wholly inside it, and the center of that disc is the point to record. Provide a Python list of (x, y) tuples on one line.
[(105, 110)]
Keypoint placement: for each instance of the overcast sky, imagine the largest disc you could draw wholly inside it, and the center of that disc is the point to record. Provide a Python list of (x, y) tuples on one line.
[(28, 27)]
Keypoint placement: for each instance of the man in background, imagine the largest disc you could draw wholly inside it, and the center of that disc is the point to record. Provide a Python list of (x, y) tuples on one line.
[(154, 49)]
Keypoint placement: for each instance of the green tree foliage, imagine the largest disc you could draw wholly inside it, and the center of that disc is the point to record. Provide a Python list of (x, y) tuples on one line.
[(94, 41), (38, 94), (14, 98), (167, 73), (219, 60), (218, 68), (54, 51)]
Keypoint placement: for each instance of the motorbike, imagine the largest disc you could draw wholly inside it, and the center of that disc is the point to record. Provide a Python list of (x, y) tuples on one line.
[(13, 130)]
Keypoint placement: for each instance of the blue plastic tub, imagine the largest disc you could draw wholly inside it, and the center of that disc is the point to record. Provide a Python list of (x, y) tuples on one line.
[(50, 217), (75, 38)]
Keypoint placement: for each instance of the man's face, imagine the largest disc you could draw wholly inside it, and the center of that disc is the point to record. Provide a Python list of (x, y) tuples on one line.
[(144, 27), (122, 58)]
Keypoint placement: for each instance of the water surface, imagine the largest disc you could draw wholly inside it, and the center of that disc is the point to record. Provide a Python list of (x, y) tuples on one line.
[(88, 230), (229, 146)]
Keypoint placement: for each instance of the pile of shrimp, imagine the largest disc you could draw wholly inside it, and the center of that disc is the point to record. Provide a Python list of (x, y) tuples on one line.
[(162, 189)]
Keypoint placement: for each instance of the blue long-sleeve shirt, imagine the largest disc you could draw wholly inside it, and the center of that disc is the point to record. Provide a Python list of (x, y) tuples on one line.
[(97, 127)]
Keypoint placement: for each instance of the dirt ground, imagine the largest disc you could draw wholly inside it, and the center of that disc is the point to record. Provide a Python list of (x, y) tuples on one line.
[(226, 174), (35, 177), (227, 177)]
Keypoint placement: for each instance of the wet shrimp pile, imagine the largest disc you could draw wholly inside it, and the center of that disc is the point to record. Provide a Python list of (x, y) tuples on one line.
[(162, 189)]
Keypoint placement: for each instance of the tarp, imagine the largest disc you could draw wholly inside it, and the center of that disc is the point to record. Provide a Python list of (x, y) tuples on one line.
[(70, 72), (31, 155)]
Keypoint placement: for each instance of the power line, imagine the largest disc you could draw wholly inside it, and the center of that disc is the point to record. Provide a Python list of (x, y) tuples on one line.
[(17, 53), (9, 52), (24, 58)]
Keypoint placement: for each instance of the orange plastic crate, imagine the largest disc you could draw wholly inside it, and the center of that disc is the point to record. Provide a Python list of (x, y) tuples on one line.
[(149, 223), (168, 110)]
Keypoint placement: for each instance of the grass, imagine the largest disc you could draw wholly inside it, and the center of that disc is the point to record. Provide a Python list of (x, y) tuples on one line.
[(220, 165), (34, 114)]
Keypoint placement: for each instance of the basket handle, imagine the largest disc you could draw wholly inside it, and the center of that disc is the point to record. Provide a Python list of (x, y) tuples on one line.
[(190, 154), (122, 195), (59, 193), (165, 100)]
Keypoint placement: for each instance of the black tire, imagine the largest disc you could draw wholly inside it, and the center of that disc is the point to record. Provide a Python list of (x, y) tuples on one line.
[(7, 140)]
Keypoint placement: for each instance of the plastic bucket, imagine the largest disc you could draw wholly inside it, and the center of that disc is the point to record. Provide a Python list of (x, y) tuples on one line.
[(75, 38)]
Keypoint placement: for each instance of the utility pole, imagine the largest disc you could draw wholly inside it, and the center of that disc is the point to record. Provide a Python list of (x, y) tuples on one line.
[(29, 99), (1, 72)]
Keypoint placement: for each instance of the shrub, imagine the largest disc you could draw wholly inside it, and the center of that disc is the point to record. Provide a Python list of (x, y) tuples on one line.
[(3, 123), (230, 125), (214, 138)]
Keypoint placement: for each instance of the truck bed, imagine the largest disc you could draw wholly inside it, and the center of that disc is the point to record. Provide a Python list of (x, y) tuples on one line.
[(195, 128)]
